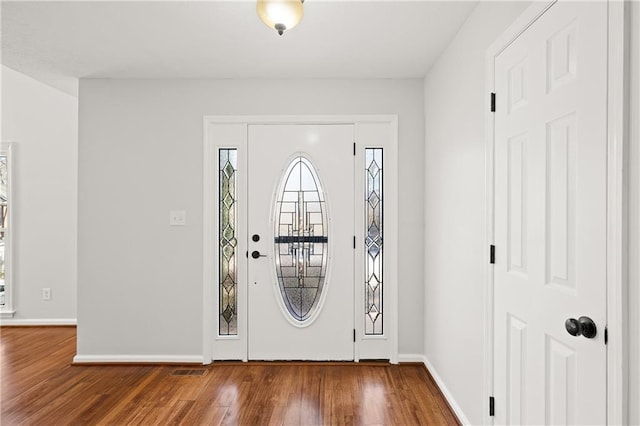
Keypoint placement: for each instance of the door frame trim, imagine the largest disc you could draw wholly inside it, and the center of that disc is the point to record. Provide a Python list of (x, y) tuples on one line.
[(391, 219), (617, 202)]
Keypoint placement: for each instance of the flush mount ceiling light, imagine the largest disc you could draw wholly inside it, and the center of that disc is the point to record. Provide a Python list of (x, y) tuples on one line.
[(280, 15)]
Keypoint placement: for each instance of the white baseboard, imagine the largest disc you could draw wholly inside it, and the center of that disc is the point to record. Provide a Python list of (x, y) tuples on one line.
[(445, 391), (39, 321), (410, 358), (135, 359)]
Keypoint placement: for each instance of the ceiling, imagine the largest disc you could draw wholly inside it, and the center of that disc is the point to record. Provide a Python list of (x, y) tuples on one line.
[(59, 42)]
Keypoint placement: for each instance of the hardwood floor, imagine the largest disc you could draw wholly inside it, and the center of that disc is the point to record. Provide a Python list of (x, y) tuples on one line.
[(41, 387)]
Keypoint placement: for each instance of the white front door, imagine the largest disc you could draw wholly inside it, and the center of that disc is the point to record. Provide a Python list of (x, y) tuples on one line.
[(550, 220), (300, 227)]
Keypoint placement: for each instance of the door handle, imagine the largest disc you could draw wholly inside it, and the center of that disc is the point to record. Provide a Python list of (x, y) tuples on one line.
[(583, 326), (256, 254)]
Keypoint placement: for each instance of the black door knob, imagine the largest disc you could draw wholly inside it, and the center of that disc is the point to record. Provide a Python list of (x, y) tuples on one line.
[(256, 254), (588, 327), (255, 238), (573, 326), (583, 326)]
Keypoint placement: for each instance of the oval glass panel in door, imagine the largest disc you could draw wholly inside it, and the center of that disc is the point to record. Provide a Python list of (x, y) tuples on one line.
[(301, 239)]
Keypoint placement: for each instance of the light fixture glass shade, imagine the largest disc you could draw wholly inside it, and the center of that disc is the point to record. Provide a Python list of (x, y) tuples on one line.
[(280, 15)]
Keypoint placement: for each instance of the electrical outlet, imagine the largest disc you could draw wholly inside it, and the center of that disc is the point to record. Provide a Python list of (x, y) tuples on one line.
[(46, 294)]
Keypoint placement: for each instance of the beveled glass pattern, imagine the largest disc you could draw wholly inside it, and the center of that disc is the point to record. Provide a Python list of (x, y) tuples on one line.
[(228, 300), (373, 317), (301, 239)]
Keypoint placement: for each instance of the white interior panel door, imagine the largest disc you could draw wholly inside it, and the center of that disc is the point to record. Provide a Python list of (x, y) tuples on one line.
[(300, 248), (550, 219)]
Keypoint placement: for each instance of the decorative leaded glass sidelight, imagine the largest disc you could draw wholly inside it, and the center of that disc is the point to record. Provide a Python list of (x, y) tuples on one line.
[(228, 285), (373, 242), (301, 239)]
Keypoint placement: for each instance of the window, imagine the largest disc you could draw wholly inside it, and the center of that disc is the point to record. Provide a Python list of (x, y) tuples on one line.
[(228, 284), (301, 239), (5, 232), (373, 242)]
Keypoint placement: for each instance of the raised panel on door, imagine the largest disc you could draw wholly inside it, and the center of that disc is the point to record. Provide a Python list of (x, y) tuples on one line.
[(560, 202), (516, 370), (560, 383), (550, 219), (517, 205)]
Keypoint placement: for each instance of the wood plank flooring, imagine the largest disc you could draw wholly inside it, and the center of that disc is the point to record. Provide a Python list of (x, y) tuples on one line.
[(39, 386)]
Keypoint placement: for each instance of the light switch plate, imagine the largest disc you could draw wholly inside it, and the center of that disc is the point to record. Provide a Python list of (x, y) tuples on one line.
[(177, 218)]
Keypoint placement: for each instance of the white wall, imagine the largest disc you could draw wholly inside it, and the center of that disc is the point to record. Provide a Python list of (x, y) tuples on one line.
[(455, 107), (454, 203), (634, 220), (140, 155), (42, 123)]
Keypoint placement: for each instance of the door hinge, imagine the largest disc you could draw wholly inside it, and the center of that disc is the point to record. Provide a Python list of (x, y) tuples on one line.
[(492, 254), (354, 335), (606, 334), (492, 408), (354, 241), (493, 102), (354, 148)]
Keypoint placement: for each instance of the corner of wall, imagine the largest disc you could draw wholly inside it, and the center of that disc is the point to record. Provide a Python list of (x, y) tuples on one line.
[(457, 409)]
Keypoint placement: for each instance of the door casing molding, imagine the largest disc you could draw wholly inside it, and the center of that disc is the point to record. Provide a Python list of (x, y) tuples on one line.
[(617, 201), (389, 142)]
